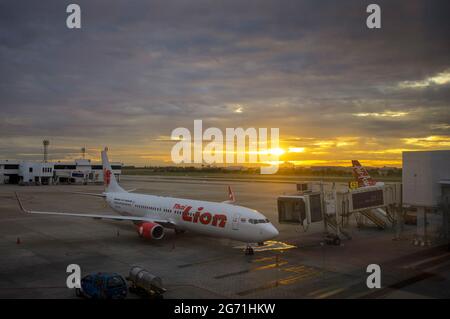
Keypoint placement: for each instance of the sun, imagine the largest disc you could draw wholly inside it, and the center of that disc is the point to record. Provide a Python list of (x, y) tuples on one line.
[(276, 151)]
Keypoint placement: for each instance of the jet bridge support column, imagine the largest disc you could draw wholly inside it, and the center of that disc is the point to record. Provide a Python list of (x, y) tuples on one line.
[(445, 208), (421, 233), (399, 222), (324, 212), (446, 222), (338, 227)]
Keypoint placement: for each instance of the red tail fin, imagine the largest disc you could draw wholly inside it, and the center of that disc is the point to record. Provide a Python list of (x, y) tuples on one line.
[(361, 175)]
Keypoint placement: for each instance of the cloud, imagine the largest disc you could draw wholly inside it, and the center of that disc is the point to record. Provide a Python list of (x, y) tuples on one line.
[(137, 70), (296, 149), (432, 141), (388, 114), (441, 78)]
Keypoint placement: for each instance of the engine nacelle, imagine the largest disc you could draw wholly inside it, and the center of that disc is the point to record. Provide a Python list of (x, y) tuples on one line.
[(151, 230)]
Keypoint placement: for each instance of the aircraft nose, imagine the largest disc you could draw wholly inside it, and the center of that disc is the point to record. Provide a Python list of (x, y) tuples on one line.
[(274, 232), (271, 231)]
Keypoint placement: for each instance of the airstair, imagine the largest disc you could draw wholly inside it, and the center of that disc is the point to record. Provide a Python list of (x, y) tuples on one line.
[(376, 218)]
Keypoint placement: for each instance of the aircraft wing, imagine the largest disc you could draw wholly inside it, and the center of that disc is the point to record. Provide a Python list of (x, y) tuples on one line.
[(164, 223), (103, 195)]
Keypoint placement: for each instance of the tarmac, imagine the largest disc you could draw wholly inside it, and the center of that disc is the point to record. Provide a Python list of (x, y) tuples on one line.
[(35, 250)]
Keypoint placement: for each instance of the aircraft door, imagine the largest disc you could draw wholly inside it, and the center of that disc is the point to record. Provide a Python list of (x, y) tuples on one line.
[(235, 222)]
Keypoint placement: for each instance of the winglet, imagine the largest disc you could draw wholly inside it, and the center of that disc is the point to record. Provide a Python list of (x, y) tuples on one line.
[(20, 203), (231, 198)]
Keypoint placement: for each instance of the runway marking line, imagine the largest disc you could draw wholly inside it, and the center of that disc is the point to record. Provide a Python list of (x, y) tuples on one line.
[(300, 273), (331, 293), (428, 260), (318, 291)]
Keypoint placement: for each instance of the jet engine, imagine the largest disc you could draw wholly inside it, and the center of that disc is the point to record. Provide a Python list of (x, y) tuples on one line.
[(151, 230)]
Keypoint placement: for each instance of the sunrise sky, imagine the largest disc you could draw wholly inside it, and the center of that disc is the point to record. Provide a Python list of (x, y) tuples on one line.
[(139, 69)]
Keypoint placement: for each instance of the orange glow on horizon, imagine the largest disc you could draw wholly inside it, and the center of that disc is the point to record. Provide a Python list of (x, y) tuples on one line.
[(306, 152)]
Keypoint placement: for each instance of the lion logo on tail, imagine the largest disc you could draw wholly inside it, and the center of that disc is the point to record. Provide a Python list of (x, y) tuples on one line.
[(107, 176)]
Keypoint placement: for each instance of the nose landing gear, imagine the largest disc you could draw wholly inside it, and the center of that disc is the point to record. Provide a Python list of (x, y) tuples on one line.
[(249, 250), (331, 239)]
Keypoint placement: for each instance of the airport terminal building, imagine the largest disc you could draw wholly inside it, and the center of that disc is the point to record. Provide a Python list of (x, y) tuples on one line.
[(80, 171)]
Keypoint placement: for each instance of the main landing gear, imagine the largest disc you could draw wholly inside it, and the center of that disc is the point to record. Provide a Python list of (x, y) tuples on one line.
[(249, 250)]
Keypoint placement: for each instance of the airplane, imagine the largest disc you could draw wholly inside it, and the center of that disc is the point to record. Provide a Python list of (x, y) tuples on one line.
[(152, 214), (365, 180), (362, 176)]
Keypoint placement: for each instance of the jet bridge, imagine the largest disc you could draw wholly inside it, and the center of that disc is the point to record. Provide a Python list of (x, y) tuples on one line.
[(320, 202), (378, 204), (304, 208)]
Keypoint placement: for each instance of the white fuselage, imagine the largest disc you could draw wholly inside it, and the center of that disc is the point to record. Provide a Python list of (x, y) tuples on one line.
[(207, 218)]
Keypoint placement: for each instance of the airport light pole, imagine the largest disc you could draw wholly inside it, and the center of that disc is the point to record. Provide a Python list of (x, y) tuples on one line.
[(46, 143)]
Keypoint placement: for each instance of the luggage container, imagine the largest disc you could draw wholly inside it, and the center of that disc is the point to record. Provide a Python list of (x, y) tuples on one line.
[(144, 283)]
